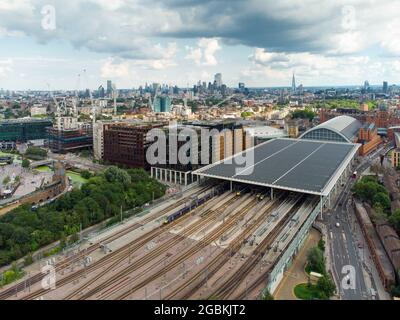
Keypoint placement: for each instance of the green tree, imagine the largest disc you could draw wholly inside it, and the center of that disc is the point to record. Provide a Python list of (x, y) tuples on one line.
[(303, 114), (382, 199), (86, 174), (246, 114), (394, 220), (321, 245), (6, 180), (316, 261), (326, 287), (267, 295), (36, 153), (25, 163)]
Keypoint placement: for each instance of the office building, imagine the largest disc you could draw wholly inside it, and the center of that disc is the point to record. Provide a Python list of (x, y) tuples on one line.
[(162, 104), (126, 144), (218, 80), (23, 130), (385, 87), (109, 87)]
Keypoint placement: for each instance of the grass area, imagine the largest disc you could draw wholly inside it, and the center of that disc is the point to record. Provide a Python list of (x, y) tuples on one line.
[(10, 276), (17, 158), (305, 292), (52, 252), (76, 179), (43, 169)]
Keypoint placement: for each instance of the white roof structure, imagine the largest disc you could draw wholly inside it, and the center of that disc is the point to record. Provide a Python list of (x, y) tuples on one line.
[(266, 132)]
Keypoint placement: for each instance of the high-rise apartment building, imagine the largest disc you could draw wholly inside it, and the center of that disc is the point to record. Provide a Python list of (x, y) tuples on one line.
[(218, 80)]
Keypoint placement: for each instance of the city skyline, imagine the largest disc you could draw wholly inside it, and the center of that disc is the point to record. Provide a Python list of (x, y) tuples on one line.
[(46, 44)]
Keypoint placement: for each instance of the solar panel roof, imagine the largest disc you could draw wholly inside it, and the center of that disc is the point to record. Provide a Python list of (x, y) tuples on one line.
[(292, 164)]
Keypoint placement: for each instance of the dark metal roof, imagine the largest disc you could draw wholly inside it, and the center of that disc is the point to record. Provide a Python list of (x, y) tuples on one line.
[(291, 164)]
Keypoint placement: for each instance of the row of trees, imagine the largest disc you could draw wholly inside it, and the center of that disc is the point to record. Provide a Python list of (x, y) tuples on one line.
[(303, 114), (343, 103), (24, 230), (36, 153), (325, 287), (369, 190)]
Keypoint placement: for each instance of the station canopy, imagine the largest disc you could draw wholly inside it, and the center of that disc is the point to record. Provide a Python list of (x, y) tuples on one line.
[(306, 166)]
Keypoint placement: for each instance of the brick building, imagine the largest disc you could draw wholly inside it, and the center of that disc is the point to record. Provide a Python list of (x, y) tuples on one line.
[(125, 144)]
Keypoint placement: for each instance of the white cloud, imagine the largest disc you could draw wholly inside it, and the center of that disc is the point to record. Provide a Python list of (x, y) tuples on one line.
[(6, 67), (276, 68), (111, 69), (194, 54), (204, 54)]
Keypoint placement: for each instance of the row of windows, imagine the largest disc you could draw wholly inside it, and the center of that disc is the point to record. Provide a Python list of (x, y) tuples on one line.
[(324, 135)]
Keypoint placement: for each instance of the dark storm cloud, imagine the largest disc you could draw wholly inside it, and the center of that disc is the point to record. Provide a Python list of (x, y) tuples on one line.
[(286, 28)]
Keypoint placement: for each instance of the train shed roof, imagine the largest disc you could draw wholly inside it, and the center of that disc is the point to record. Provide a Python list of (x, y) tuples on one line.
[(306, 166)]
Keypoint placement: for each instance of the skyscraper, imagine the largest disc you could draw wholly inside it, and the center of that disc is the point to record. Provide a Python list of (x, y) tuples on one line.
[(385, 87), (293, 84), (162, 104), (101, 92), (366, 85), (218, 80), (109, 87)]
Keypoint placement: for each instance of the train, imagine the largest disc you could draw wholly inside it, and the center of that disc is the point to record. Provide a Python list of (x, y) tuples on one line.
[(382, 260), (194, 203), (260, 196)]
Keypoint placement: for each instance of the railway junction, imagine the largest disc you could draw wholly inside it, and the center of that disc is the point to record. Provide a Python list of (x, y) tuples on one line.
[(228, 237)]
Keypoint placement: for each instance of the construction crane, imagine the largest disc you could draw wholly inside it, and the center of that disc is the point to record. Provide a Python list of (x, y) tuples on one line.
[(115, 94), (58, 108), (92, 102)]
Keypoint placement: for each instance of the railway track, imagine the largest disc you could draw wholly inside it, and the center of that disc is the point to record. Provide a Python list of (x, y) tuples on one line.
[(14, 290), (257, 283), (220, 260), (216, 234), (116, 260), (232, 283)]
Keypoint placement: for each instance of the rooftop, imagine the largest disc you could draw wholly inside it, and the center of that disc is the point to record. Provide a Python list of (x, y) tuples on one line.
[(305, 166), (24, 120), (344, 125)]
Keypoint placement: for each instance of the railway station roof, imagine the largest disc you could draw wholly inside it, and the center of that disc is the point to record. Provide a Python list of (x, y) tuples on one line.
[(298, 165), (342, 128)]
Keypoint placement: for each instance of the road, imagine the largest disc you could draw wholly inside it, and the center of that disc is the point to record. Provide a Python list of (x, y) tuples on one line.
[(345, 239), (77, 161)]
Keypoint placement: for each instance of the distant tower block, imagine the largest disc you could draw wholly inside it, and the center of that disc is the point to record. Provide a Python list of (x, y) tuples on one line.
[(293, 84)]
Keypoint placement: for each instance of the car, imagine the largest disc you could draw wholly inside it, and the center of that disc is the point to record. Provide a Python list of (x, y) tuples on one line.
[(360, 245), (337, 224)]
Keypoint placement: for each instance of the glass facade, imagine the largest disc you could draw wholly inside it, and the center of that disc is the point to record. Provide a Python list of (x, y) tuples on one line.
[(23, 130), (323, 134)]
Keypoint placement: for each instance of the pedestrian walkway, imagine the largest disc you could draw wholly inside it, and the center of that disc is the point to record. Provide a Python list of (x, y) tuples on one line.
[(296, 274)]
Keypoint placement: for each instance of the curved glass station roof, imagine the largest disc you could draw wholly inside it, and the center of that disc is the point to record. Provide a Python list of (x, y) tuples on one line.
[(340, 129)]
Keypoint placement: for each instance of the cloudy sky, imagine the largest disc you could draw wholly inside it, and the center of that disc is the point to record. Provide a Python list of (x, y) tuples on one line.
[(48, 43)]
